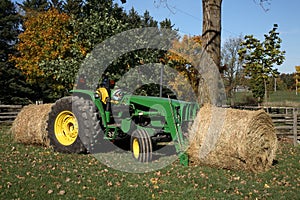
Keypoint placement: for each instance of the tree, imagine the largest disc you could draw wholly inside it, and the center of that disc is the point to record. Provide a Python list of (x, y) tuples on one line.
[(9, 22), (35, 5), (46, 40), (94, 26), (288, 80), (187, 45), (211, 29), (73, 7), (259, 60), (233, 70), (134, 20), (57, 4), (14, 89), (99, 20), (148, 21), (54, 43), (297, 78)]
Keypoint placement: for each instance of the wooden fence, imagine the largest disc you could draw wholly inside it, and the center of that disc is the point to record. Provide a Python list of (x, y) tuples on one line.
[(285, 119), (9, 112)]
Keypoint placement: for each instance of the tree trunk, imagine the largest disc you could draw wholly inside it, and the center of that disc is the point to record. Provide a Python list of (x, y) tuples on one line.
[(211, 29), (266, 91)]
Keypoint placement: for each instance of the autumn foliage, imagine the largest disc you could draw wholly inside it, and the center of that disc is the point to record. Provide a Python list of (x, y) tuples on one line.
[(297, 77), (46, 37), (180, 57)]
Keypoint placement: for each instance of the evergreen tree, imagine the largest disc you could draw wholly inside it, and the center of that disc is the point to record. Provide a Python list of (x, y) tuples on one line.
[(259, 60), (14, 89), (99, 20), (134, 20), (148, 21), (166, 24), (57, 4), (73, 7), (36, 5)]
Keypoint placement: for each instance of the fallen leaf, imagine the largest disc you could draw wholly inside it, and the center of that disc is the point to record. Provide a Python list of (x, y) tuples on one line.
[(109, 183), (20, 177), (62, 192), (9, 184), (154, 180), (155, 186), (58, 185)]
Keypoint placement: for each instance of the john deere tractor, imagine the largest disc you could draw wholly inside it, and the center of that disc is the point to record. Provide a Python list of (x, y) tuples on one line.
[(93, 121)]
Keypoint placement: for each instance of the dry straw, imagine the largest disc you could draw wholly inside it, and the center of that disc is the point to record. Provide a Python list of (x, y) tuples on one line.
[(241, 140), (30, 125)]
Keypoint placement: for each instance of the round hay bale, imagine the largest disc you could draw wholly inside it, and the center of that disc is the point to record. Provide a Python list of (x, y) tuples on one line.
[(233, 139), (30, 125)]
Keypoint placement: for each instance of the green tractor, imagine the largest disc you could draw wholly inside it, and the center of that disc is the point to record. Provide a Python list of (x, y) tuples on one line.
[(95, 121)]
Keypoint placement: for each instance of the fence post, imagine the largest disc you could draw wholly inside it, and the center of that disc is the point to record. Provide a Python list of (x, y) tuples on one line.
[(295, 126)]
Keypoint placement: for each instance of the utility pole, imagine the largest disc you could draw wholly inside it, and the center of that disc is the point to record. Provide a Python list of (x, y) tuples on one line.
[(275, 84)]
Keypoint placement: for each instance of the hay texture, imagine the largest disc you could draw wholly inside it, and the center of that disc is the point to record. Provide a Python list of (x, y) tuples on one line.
[(30, 125), (233, 139)]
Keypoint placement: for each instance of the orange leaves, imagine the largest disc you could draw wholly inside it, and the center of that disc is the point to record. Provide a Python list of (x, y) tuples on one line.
[(46, 37), (181, 57), (297, 78), (186, 46)]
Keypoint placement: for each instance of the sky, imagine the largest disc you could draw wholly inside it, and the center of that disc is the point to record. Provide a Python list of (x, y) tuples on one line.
[(239, 17)]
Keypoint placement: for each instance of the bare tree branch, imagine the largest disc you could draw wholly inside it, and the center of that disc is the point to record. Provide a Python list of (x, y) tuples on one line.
[(165, 4), (264, 4)]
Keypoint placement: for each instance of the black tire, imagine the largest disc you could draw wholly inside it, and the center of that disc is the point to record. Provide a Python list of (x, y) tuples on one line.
[(93, 133), (141, 145), (73, 126)]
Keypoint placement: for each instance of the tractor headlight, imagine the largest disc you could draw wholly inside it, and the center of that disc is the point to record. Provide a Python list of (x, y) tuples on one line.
[(96, 95)]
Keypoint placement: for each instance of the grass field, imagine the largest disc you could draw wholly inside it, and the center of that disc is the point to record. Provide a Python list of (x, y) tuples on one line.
[(34, 172), (278, 98), (284, 98)]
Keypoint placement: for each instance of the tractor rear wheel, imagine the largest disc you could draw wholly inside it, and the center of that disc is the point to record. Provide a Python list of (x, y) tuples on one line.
[(73, 126), (141, 145)]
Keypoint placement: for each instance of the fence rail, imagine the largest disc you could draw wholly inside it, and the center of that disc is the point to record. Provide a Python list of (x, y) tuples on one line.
[(9, 112), (286, 120)]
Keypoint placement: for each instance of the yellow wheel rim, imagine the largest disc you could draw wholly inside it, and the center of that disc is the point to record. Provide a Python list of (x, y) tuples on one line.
[(66, 128), (136, 148)]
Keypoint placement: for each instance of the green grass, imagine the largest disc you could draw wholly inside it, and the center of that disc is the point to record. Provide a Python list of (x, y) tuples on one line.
[(278, 98), (34, 172), (284, 98)]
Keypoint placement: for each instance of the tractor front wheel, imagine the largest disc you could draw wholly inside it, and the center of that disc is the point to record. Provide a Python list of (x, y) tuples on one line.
[(141, 145)]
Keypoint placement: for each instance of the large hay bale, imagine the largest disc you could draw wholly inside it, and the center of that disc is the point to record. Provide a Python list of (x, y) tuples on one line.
[(30, 125), (233, 139)]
